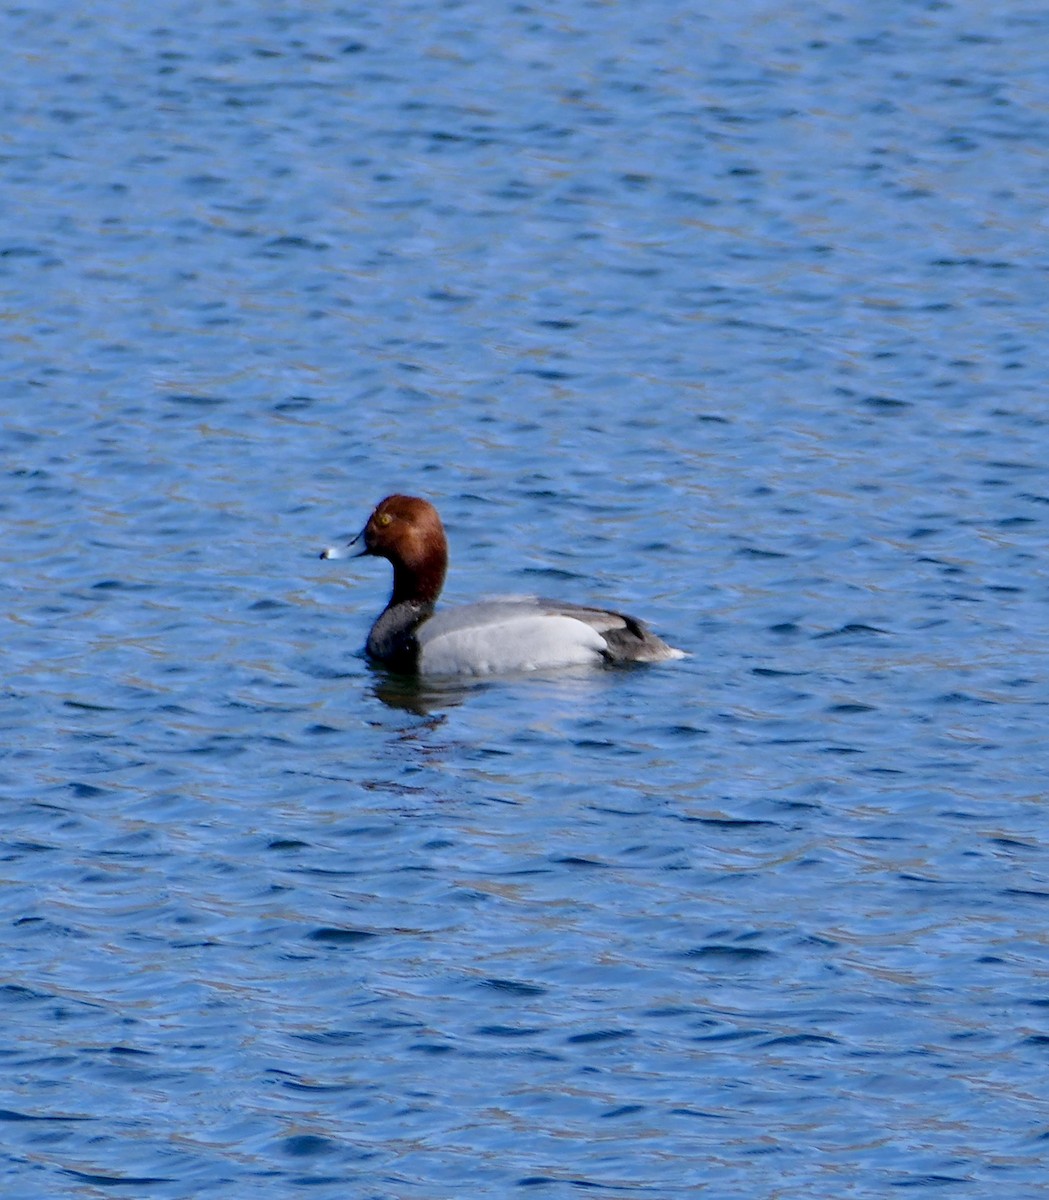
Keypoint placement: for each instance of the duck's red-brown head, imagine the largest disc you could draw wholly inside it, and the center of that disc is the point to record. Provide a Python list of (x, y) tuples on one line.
[(408, 532)]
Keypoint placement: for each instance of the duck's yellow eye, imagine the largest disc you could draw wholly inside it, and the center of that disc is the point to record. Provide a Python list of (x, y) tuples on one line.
[(384, 518)]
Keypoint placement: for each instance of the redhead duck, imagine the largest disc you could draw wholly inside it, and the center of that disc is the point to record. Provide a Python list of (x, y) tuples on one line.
[(513, 633)]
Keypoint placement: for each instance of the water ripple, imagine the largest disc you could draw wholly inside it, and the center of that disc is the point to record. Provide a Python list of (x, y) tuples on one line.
[(689, 312)]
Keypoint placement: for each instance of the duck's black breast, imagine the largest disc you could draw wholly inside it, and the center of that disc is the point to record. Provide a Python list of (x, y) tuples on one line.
[(393, 641)]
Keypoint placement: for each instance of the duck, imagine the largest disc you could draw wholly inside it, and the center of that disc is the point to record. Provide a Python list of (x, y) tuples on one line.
[(505, 634)]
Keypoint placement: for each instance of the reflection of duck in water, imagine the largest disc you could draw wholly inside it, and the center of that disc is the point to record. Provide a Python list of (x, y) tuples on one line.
[(514, 633)]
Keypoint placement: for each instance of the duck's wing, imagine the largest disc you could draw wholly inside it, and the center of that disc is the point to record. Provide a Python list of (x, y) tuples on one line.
[(626, 638), (511, 634)]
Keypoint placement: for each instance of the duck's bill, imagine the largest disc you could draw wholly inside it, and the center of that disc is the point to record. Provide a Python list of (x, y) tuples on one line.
[(347, 551)]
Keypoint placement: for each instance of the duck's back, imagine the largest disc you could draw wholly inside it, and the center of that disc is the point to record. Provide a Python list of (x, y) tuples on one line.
[(523, 633)]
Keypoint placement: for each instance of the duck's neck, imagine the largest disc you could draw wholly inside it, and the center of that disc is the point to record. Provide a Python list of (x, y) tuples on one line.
[(416, 586), (420, 582)]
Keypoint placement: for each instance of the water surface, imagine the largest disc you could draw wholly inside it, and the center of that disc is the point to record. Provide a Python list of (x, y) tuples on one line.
[(728, 317)]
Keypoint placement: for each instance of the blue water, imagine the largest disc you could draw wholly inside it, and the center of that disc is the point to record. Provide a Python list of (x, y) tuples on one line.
[(731, 315)]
